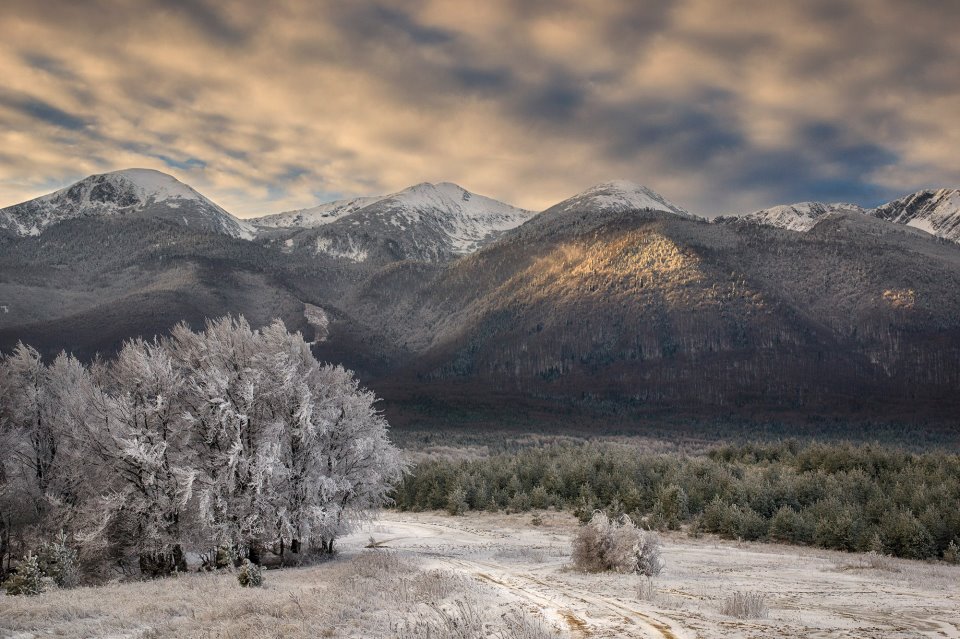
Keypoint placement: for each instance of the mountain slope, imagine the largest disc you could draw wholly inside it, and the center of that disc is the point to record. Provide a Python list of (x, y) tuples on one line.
[(130, 192), (614, 298), (660, 310), (936, 212), (314, 216)]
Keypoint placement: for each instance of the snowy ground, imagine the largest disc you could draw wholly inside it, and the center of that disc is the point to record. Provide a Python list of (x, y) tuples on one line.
[(810, 593), (495, 575)]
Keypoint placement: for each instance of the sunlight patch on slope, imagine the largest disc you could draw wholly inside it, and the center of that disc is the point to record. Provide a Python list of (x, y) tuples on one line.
[(638, 267)]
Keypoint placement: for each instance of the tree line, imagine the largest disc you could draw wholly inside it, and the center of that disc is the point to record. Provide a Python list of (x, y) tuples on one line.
[(229, 438), (842, 496)]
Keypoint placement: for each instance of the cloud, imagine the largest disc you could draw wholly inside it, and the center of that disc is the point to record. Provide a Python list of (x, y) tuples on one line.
[(43, 112), (268, 106)]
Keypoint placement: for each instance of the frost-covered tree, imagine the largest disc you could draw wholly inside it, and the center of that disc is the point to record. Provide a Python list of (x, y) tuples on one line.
[(30, 441), (138, 444), (227, 436), (290, 451)]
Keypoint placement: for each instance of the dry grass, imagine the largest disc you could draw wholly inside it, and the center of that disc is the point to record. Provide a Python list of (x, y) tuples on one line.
[(745, 605), (647, 590), (871, 561), (521, 554), (373, 594)]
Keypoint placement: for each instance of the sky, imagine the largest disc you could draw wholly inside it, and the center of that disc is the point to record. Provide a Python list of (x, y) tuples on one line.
[(720, 105)]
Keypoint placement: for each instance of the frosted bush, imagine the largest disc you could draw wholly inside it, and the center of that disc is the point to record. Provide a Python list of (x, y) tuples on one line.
[(250, 575), (745, 605), (605, 545)]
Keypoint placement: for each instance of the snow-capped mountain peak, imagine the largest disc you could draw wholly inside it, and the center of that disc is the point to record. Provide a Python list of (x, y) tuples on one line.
[(467, 219), (124, 192), (425, 221), (936, 212), (621, 195), (801, 216)]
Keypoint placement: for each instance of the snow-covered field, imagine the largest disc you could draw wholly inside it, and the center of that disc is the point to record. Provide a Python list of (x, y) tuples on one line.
[(502, 576)]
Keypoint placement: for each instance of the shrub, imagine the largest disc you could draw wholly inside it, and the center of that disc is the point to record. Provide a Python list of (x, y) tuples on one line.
[(790, 526), (647, 590), (59, 562), (250, 575), (745, 605), (28, 579), (224, 557), (952, 554), (457, 501), (904, 536), (603, 545), (671, 507)]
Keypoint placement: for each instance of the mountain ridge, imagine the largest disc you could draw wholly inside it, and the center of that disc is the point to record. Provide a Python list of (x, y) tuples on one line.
[(934, 211)]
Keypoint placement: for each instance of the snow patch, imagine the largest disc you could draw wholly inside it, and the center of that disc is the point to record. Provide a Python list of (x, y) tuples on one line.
[(319, 320), (349, 249)]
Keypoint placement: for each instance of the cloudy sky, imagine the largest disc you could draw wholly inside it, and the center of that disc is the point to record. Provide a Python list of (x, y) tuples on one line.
[(267, 106)]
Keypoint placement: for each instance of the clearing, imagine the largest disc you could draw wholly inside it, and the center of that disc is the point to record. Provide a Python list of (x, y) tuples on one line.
[(496, 575)]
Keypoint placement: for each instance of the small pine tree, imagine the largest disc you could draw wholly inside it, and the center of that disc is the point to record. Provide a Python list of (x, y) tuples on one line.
[(59, 562), (250, 575), (28, 580), (457, 501), (952, 554)]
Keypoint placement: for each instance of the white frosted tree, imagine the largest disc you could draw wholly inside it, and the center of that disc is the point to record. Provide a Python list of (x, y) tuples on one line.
[(234, 435), (291, 451), (29, 440), (353, 464), (227, 436), (133, 449)]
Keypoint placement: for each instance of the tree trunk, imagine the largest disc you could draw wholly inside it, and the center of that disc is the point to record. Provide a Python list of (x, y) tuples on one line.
[(179, 559)]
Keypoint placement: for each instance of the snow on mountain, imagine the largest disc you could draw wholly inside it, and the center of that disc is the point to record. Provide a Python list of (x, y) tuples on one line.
[(936, 212), (466, 218), (620, 195), (126, 192), (430, 222), (801, 216), (315, 216)]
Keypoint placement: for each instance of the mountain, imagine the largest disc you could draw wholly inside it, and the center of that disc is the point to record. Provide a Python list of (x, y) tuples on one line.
[(936, 212), (126, 193), (615, 301), (315, 216), (801, 216), (599, 204), (617, 196), (427, 222), (657, 310)]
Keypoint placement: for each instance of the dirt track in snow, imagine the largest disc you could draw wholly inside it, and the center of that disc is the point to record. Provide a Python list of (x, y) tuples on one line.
[(810, 593)]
